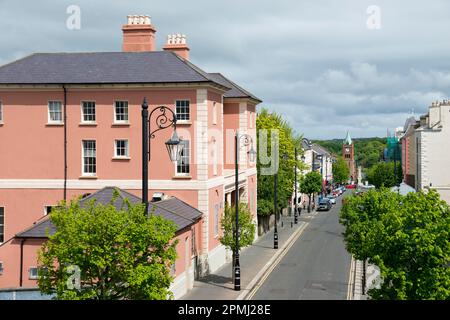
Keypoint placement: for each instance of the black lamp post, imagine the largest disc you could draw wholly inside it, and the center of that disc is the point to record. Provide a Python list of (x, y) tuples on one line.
[(173, 145), (295, 198), (246, 140), (275, 203), (303, 160)]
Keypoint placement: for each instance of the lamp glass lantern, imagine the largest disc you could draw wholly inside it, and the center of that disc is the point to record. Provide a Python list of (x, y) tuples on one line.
[(252, 155), (174, 147)]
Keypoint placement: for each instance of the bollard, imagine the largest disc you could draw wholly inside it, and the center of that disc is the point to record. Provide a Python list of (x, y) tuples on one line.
[(292, 224)]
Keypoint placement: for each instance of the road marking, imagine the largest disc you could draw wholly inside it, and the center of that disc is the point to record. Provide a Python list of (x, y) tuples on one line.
[(255, 288)]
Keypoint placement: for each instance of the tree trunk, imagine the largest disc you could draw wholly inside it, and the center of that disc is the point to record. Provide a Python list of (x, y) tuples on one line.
[(309, 203)]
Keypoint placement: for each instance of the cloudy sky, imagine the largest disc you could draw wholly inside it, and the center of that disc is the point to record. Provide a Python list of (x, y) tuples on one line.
[(316, 62)]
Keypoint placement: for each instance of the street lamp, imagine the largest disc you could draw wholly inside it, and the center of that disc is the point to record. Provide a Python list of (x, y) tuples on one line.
[(320, 158), (303, 160), (173, 145), (295, 200), (246, 141), (275, 203)]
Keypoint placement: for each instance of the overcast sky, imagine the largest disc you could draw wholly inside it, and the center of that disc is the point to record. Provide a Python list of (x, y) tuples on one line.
[(315, 62)]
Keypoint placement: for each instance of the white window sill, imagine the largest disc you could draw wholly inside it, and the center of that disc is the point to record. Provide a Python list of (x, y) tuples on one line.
[(121, 158), (181, 177), (1, 123), (92, 124), (55, 124), (121, 124), (184, 122), (88, 177)]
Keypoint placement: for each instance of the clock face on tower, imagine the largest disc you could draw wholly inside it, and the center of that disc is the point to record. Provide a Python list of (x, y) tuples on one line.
[(347, 149)]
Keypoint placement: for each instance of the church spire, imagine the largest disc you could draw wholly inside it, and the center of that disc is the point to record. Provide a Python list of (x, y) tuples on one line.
[(348, 139)]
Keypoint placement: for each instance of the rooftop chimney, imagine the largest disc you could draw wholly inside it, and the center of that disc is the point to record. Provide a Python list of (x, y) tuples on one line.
[(138, 34), (177, 44)]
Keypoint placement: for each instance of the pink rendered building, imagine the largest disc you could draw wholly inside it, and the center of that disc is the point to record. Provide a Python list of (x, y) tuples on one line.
[(70, 125)]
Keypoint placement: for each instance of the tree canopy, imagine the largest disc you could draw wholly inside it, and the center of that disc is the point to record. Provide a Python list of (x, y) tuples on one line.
[(246, 227), (311, 183), (407, 237), (383, 174), (111, 254), (287, 143), (341, 173)]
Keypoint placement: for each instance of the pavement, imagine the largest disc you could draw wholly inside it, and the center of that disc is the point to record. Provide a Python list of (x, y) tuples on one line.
[(256, 262)]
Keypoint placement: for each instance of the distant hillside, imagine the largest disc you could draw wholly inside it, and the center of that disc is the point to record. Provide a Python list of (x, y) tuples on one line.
[(368, 151)]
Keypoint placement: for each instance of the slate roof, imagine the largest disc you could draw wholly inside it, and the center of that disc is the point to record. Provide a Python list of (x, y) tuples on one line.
[(236, 91), (306, 144), (38, 229), (181, 213), (320, 150), (102, 68)]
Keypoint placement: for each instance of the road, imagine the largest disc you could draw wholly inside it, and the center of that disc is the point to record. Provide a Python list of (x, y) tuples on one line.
[(316, 267)]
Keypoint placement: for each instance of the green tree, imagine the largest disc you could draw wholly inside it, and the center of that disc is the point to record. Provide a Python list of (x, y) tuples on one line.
[(407, 237), (287, 141), (246, 227), (341, 173), (120, 254), (311, 184), (384, 174)]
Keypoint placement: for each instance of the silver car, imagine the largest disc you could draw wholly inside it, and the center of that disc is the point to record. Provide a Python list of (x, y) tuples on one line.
[(332, 199)]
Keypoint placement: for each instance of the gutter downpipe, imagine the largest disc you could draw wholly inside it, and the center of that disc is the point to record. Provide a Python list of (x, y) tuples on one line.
[(65, 142), (21, 262)]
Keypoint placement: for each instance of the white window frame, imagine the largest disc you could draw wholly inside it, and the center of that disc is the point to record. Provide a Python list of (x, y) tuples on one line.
[(115, 112), (188, 157), (46, 209), (82, 112), (214, 113), (2, 226), (33, 277), (83, 173), (189, 113), (50, 121), (127, 149)]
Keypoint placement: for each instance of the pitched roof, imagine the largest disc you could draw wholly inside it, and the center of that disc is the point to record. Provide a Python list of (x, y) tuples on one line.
[(39, 229), (306, 144), (181, 213), (236, 91), (103, 68), (320, 150)]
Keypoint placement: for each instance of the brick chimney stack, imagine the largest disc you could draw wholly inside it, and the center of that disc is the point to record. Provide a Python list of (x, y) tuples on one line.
[(138, 34), (177, 44)]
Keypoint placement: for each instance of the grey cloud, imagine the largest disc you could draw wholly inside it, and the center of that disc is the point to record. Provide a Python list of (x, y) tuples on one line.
[(314, 61)]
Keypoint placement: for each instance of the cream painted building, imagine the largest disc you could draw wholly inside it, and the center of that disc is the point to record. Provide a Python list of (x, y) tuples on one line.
[(432, 144)]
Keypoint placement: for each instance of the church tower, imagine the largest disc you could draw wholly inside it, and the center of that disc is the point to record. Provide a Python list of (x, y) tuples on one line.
[(348, 153)]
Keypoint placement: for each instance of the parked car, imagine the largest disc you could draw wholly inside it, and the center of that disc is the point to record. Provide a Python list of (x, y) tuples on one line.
[(332, 198), (350, 186), (324, 204)]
